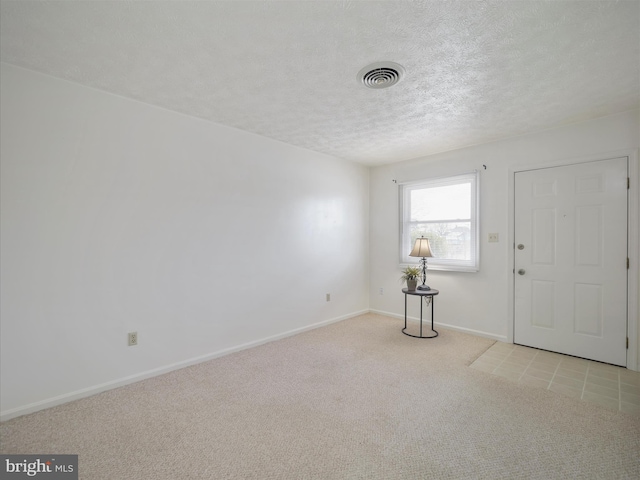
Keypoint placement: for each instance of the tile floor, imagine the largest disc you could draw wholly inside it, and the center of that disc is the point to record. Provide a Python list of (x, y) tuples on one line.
[(615, 388)]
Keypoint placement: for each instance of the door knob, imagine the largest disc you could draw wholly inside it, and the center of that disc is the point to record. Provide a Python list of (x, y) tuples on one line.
[(520, 246), (521, 271)]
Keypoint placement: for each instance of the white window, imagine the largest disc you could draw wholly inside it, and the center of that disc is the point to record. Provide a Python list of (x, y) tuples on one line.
[(444, 210)]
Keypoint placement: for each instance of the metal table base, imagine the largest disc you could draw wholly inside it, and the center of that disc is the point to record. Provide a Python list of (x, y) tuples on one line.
[(422, 294)]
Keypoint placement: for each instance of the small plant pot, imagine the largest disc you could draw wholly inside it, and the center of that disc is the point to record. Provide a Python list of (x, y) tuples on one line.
[(412, 284)]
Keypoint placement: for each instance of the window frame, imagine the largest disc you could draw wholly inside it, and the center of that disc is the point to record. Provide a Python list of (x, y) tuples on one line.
[(472, 265)]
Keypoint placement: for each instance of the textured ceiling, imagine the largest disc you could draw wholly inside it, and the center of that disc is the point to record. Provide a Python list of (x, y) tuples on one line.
[(476, 71)]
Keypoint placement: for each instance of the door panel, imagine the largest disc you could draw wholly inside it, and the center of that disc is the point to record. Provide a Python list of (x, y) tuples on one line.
[(570, 271)]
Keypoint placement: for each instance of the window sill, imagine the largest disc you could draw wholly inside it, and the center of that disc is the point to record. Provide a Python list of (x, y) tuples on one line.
[(443, 268)]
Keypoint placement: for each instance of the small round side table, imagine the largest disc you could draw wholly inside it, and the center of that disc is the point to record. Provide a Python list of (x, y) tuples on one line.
[(419, 293)]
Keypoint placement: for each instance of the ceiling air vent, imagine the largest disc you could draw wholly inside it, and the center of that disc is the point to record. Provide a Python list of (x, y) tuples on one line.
[(381, 74)]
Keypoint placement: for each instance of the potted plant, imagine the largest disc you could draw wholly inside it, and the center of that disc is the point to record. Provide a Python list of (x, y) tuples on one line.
[(410, 275)]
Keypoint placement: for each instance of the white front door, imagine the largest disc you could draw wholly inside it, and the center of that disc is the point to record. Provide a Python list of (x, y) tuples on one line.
[(571, 260)]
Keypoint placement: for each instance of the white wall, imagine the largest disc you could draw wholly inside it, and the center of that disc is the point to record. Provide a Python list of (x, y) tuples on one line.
[(118, 216), (479, 302)]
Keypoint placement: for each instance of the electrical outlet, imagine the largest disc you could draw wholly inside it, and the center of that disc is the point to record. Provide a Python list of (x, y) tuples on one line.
[(381, 291), (493, 237), (133, 338), (328, 297)]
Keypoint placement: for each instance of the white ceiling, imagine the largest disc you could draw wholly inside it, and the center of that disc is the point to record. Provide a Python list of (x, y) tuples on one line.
[(476, 71)]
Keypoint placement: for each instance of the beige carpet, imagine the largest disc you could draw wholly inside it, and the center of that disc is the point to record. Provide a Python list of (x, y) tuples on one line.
[(354, 400)]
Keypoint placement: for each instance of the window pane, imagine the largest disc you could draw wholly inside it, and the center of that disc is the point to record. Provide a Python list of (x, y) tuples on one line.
[(450, 202), (450, 240), (444, 210)]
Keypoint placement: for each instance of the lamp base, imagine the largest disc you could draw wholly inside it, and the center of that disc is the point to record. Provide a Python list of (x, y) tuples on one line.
[(424, 287)]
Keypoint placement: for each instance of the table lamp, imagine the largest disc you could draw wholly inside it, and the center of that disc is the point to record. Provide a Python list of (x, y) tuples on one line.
[(422, 249)]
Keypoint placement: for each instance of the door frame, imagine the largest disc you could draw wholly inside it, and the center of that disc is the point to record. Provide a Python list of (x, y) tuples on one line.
[(633, 242)]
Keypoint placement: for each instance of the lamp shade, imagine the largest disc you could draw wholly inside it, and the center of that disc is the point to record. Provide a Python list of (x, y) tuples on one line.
[(421, 248)]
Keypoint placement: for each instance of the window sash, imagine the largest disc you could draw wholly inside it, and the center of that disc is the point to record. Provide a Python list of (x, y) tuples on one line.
[(407, 226)]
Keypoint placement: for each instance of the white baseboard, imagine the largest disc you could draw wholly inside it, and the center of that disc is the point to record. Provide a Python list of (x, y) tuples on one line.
[(479, 333), (95, 389)]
